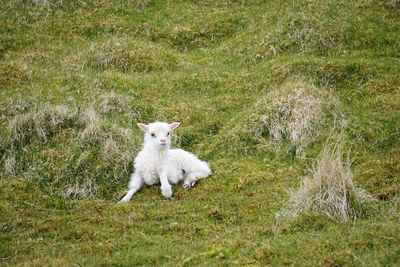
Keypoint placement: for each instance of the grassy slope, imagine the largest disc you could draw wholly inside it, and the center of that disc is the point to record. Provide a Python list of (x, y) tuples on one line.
[(204, 64)]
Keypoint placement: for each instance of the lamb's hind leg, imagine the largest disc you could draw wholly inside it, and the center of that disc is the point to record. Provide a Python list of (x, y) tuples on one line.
[(191, 178), (134, 185)]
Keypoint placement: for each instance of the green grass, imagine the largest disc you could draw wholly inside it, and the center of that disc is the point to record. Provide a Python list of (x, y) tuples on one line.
[(76, 77)]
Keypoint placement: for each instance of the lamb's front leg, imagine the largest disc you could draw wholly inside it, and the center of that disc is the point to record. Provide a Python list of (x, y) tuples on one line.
[(134, 185), (166, 189)]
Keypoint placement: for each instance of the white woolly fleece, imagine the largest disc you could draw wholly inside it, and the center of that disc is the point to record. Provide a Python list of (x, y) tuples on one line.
[(157, 163)]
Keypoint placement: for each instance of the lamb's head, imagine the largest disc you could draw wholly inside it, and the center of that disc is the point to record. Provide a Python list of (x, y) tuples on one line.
[(158, 134)]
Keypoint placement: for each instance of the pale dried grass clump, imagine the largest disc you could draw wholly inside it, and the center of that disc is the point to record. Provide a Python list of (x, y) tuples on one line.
[(47, 3), (41, 123), (329, 189), (76, 149), (9, 164), (112, 102), (92, 122), (142, 4), (12, 107), (41, 3), (87, 189), (111, 145), (109, 137), (124, 54), (295, 114)]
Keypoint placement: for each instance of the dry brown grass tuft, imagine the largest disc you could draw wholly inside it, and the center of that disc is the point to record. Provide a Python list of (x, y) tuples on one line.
[(92, 122), (89, 150), (329, 189), (9, 163), (41, 3), (112, 102), (142, 4), (41, 123), (294, 114), (85, 190)]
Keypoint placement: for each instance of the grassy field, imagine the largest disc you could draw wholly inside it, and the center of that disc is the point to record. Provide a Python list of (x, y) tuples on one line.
[(262, 89)]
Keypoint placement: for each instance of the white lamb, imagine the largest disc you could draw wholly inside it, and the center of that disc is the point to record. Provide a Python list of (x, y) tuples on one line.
[(157, 163)]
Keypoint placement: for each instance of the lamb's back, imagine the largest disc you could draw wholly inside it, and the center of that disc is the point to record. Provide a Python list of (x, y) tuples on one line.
[(186, 160)]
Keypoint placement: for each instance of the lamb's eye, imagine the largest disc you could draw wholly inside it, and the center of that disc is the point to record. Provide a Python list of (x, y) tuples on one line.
[(167, 134), (153, 135)]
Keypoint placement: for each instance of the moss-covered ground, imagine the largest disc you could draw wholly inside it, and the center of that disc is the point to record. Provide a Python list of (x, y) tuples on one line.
[(76, 77)]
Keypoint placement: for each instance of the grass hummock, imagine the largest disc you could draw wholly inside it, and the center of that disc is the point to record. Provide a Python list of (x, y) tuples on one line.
[(329, 189)]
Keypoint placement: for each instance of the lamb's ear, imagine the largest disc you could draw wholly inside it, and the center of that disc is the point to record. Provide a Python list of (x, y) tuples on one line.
[(143, 126), (174, 125)]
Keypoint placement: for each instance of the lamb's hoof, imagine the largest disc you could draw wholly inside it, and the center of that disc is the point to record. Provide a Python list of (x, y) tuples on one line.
[(166, 192), (123, 201), (188, 185)]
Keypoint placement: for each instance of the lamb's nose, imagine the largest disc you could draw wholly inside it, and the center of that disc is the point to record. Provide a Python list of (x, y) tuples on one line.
[(163, 141)]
